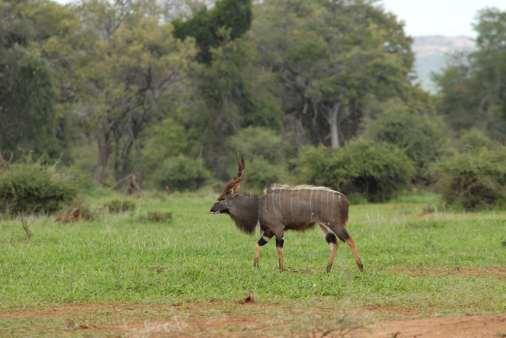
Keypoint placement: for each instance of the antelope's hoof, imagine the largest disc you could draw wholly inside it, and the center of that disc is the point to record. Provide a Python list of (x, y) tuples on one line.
[(329, 268), (255, 263), (360, 266)]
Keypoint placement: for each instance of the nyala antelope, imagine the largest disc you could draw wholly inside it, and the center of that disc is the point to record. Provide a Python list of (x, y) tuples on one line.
[(283, 208)]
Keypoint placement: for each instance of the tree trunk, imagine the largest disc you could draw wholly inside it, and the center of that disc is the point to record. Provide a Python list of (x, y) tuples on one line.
[(122, 159), (333, 120), (104, 154)]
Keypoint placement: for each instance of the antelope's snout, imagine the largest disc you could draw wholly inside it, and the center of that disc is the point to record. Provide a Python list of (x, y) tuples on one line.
[(219, 208)]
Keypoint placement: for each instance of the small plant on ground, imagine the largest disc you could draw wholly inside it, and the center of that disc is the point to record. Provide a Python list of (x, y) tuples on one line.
[(118, 206), (26, 228), (75, 213), (157, 217)]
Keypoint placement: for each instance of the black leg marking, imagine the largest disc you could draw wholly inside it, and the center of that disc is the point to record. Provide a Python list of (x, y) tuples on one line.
[(343, 234), (279, 242), (262, 241), (331, 238)]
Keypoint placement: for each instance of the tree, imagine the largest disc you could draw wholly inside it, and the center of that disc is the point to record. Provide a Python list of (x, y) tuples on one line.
[(167, 139), (235, 94), (330, 57), (232, 91), (458, 101), (28, 93), (421, 136), (228, 20), (473, 88), (127, 62), (489, 63)]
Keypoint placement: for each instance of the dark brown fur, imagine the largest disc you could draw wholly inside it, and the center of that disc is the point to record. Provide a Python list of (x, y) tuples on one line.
[(300, 208)]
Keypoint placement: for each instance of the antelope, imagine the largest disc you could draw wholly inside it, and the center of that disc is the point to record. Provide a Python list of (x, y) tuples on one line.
[(283, 208)]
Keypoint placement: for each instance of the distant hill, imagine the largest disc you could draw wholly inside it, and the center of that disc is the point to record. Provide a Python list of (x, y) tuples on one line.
[(432, 52)]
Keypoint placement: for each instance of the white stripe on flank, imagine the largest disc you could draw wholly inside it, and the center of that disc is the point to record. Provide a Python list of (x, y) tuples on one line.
[(311, 204), (329, 230), (301, 187), (291, 207), (328, 204)]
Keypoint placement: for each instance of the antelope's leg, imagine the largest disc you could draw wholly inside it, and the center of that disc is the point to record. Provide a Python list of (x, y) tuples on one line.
[(260, 243), (279, 249), (331, 239), (345, 237)]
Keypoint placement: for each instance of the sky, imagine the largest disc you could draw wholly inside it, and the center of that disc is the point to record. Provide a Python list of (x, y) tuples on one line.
[(439, 17), (435, 17)]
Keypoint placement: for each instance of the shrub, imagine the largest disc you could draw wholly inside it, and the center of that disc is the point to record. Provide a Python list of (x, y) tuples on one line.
[(119, 206), (421, 137), (76, 212), (376, 171), (316, 166), (261, 173), (473, 180), (264, 152), (181, 173), (474, 140), (34, 188), (257, 142), (163, 140)]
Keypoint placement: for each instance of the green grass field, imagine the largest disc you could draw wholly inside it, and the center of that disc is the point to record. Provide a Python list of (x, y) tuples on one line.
[(436, 263)]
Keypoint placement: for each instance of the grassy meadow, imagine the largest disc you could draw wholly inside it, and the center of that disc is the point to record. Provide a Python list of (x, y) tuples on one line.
[(121, 275), (434, 261)]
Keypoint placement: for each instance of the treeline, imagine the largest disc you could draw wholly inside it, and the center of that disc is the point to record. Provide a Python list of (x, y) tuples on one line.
[(314, 91)]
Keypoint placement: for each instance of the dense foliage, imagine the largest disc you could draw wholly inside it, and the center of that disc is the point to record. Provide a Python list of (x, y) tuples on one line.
[(423, 144), (27, 93), (474, 179), (376, 171), (181, 173), (146, 87), (27, 188), (475, 139), (210, 28), (264, 152), (472, 86)]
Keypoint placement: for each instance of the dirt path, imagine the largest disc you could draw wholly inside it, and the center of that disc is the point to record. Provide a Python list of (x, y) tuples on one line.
[(218, 319), (446, 327)]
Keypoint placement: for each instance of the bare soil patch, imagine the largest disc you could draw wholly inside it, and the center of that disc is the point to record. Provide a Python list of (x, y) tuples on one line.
[(232, 319), (446, 327)]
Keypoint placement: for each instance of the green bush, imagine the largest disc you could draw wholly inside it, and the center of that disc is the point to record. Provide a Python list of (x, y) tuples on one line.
[(263, 150), (262, 173), (257, 142), (163, 140), (474, 140), (422, 138), (181, 173), (315, 165), (473, 180), (376, 171), (34, 188)]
